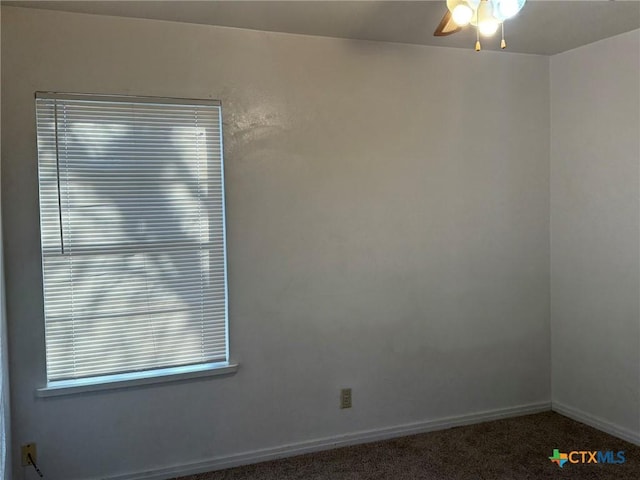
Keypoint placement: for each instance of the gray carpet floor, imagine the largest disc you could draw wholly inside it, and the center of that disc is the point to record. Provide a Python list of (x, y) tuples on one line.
[(511, 449)]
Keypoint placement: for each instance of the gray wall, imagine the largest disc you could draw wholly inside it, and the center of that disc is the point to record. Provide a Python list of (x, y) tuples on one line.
[(5, 414), (388, 222), (595, 221)]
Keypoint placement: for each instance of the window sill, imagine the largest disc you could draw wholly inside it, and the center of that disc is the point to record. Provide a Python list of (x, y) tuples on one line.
[(126, 380)]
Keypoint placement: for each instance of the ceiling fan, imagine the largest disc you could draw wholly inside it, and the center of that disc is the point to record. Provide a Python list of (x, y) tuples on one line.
[(486, 15)]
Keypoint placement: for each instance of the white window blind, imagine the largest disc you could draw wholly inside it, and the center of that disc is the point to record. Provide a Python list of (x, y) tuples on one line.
[(133, 234)]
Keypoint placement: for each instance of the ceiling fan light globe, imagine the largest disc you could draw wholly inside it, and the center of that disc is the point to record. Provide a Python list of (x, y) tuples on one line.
[(462, 14), (508, 8), (488, 28)]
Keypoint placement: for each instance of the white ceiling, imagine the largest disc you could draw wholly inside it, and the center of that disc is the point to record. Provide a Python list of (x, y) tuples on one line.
[(543, 27)]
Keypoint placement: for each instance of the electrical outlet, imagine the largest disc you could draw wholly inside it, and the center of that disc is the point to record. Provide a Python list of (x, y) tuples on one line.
[(28, 449), (345, 398)]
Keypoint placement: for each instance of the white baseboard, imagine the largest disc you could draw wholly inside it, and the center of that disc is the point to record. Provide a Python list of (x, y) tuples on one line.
[(366, 436), (596, 422)]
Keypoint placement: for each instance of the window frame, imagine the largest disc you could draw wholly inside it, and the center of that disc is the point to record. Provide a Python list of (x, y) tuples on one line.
[(155, 375)]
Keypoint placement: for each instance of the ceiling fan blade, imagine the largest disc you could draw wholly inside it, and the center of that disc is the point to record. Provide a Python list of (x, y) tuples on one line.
[(446, 26)]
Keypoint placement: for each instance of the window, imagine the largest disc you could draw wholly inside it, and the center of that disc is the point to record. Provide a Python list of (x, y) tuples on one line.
[(133, 236)]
